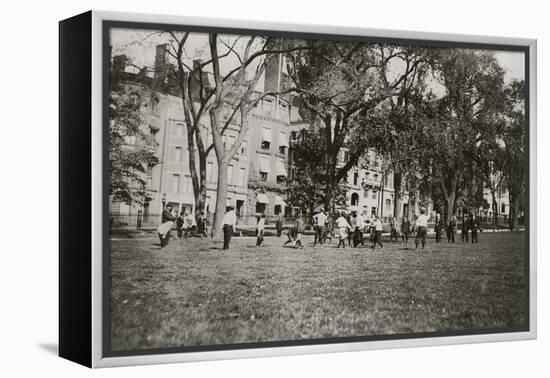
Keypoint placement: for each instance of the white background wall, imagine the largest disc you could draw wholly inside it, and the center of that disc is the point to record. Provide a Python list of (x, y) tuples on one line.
[(28, 278)]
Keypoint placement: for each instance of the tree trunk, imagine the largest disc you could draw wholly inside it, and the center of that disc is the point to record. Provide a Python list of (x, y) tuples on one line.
[(397, 203), (220, 199), (193, 164), (200, 195), (200, 200), (514, 212), (451, 204), (495, 209)]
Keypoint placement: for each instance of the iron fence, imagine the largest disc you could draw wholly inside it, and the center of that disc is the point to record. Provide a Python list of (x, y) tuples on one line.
[(142, 221)]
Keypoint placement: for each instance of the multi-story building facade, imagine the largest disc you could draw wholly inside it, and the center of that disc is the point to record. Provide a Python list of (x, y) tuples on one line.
[(371, 190), (259, 172)]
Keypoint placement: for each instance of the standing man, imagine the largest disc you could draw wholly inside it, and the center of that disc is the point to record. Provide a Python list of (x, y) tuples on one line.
[(343, 226), (189, 224), (229, 226), (393, 229), (201, 225), (179, 224), (377, 225), (421, 229), (167, 221), (279, 225), (452, 228), (298, 231), (405, 229), (260, 226), (353, 222), (474, 226), (320, 220), (438, 227), (359, 228)]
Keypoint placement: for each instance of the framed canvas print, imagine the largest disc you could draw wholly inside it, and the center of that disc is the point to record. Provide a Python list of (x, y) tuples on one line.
[(233, 189)]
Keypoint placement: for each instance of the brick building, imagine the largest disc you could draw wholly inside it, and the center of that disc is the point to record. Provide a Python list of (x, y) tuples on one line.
[(258, 174)]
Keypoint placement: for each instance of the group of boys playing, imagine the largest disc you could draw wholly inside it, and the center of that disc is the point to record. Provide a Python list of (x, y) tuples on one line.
[(351, 229)]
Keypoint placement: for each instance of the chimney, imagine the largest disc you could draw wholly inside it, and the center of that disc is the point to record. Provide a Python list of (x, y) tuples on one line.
[(119, 63), (161, 62)]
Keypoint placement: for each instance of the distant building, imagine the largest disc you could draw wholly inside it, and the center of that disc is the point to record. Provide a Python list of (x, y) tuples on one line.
[(502, 202), (372, 190)]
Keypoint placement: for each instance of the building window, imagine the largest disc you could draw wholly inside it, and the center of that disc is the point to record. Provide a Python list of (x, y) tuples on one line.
[(388, 204), (175, 183), (503, 208), (242, 177), (355, 178), (178, 154), (260, 208), (211, 175), (374, 195), (266, 139), (354, 199), (277, 209), (386, 180), (281, 179), (239, 208), (268, 105), (188, 185), (263, 176), (130, 140), (373, 211), (115, 207), (283, 143), (179, 130)]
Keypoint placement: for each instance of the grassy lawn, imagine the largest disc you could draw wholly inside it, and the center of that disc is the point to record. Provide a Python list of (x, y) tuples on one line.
[(194, 293)]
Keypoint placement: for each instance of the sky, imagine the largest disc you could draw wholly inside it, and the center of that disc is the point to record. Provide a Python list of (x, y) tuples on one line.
[(139, 46)]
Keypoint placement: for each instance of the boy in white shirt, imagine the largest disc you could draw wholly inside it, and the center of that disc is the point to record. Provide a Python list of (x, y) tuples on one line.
[(260, 230), (421, 229), (343, 227), (377, 225)]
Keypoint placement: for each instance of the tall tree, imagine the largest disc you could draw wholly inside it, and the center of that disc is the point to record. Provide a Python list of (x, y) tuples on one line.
[(459, 122), (211, 82), (196, 97), (236, 91), (513, 159), (403, 103), (337, 81), (305, 190), (131, 149)]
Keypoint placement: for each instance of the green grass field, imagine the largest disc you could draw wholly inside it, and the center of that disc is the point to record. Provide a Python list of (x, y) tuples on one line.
[(194, 293)]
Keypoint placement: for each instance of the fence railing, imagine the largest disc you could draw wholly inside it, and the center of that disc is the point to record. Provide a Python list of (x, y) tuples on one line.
[(137, 220)]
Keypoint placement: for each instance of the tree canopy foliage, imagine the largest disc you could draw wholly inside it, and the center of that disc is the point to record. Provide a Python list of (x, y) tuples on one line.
[(131, 148)]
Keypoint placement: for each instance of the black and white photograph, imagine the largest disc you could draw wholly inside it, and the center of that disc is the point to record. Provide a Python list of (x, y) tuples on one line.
[(270, 189)]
